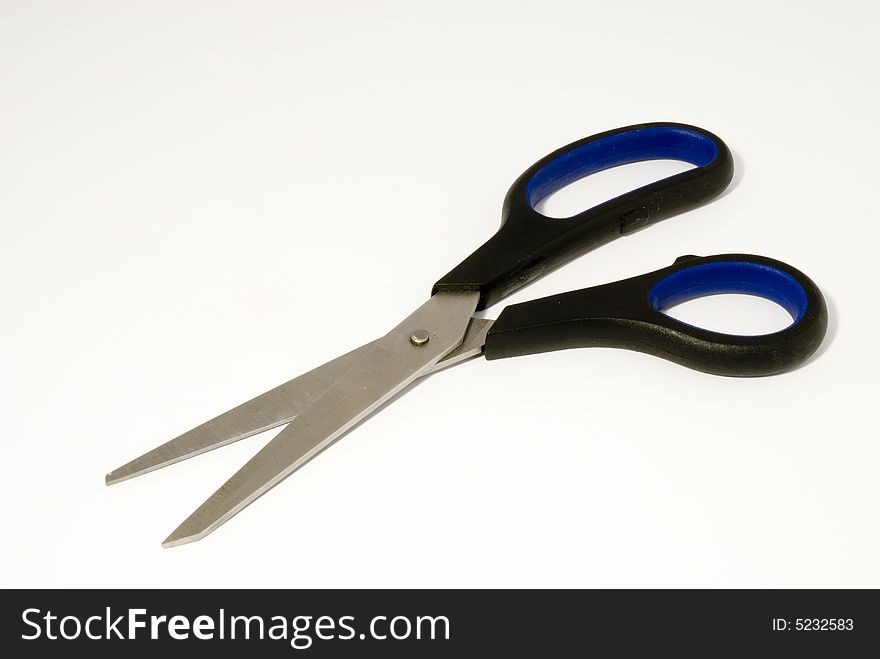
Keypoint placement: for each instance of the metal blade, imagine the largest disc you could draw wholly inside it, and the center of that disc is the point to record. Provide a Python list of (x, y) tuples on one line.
[(471, 346), (392, 363), (274, 408)]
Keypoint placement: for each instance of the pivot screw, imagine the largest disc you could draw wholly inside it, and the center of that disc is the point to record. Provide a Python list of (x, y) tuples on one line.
[(419, 337)]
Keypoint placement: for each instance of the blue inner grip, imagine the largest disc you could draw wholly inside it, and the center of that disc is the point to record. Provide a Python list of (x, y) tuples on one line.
[(653, 143), (730, 277)]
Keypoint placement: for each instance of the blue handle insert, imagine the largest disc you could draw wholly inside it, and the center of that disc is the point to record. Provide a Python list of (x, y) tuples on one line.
[(730, 277), (651, 143)]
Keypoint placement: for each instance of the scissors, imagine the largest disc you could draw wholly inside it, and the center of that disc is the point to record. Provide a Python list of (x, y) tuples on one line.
[(322, 404)]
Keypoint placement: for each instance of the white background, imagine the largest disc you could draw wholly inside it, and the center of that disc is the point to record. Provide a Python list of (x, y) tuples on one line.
[(200, 200)]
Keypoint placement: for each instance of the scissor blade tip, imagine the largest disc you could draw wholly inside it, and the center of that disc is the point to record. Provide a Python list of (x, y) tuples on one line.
[(184, 534), (134, 469), (175, 540), (171, 541), (119, 475)]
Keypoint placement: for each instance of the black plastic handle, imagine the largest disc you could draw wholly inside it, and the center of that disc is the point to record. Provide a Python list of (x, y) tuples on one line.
[(529, 244), (628, 314)]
